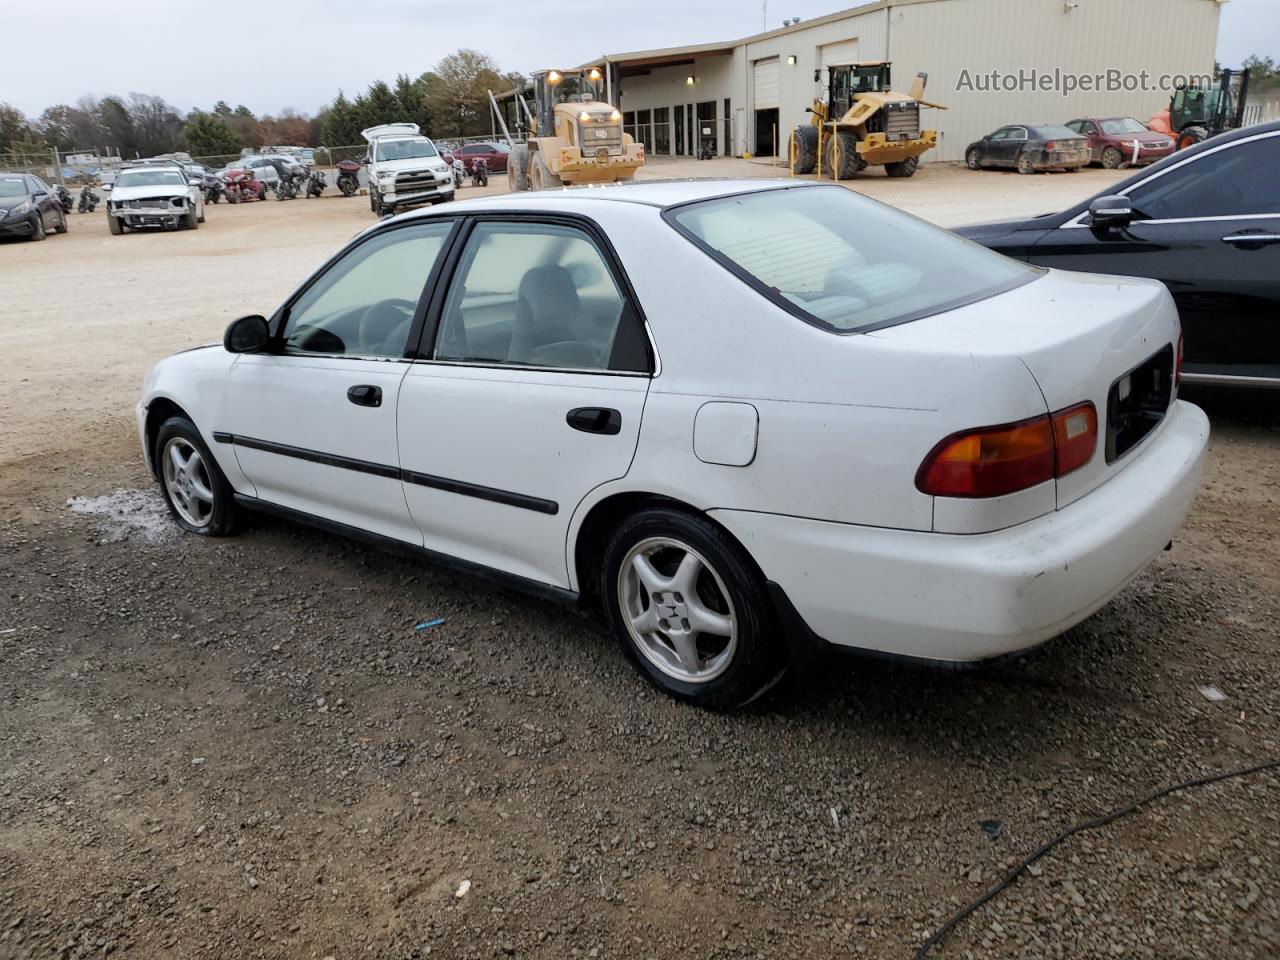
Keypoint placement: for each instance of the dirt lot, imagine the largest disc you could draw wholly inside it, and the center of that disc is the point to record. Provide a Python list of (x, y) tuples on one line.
[(243, 748)]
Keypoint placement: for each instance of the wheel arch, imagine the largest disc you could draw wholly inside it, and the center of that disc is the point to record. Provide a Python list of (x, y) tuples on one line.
[(159, 410)]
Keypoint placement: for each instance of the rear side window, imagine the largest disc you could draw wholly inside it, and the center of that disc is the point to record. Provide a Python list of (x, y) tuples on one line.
[(843, 262)]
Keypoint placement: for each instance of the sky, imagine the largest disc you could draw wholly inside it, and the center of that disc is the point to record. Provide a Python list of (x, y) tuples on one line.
[(193, 56)]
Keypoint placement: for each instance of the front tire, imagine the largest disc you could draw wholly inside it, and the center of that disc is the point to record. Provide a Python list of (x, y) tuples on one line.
[(903, 168), (1191, 136), (842, 156), (691, 610), (198, 494), (115, 225), (543, 178), (973, 159), (38, 231), (1111, 158)]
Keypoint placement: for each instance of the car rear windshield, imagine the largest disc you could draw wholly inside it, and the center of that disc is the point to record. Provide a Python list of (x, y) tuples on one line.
[(841, 261), (150, 178), (1052, 131)]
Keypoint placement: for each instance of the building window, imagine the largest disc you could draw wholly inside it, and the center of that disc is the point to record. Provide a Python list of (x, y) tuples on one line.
[(662, 130)]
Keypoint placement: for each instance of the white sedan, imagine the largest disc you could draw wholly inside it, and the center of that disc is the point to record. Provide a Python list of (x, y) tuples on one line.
[(751, 420)]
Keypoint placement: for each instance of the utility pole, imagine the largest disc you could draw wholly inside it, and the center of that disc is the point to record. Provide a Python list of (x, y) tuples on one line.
[(764, 15)]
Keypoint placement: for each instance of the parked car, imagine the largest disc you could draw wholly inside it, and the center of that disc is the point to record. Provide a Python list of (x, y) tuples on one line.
[(1206, 222), (858, 430), (494, 153), (1116, 141), (405, 169), (155, 195), (1029, 147), (29, 207)]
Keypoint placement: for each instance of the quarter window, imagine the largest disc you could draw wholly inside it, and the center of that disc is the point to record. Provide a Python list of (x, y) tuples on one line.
[(364, 304), (1237, 181), (537, 295)]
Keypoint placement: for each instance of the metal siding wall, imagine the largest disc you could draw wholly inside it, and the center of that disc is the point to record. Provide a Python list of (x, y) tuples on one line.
[(796, 80), (948, 36), (666, 87)]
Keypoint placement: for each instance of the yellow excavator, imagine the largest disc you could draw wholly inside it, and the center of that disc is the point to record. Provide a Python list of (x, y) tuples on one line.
[(575, 136), (862, 122)]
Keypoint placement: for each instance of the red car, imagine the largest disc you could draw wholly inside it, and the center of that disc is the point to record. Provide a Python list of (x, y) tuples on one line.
[(495, 155), (1113, 141)]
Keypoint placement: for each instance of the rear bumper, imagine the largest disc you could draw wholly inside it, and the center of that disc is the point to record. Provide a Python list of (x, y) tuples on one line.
[(1060, 160), (971, 597)]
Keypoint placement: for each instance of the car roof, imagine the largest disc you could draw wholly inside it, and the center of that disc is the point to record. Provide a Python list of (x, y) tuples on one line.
[(651, 193)]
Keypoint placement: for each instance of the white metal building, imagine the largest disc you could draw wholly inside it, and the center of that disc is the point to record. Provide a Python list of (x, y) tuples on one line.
[(736, 93)]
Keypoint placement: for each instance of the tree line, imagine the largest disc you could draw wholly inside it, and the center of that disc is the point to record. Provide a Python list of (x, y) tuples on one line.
[(447, 101)]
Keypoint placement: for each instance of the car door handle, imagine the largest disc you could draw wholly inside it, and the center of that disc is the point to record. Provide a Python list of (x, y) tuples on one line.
[(595, 420), (365, 395), (1244, 238)]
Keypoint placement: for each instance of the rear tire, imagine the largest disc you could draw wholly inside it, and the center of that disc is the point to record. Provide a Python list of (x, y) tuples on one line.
[(803, 149), (517, 168), (665, 573), (62, 225), (973, 159), (1112, 158), (1025, 165), (903, 168), (199, 497)]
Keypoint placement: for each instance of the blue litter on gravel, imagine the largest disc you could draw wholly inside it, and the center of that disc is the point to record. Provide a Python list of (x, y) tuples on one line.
[(428, 624)]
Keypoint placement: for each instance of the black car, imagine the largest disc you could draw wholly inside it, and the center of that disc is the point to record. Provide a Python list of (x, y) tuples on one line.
[(1206, 222), (29, 207), (1028, 147)]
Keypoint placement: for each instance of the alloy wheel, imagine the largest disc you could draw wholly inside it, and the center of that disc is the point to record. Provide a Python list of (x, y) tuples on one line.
[(187, 481), (677, 610)]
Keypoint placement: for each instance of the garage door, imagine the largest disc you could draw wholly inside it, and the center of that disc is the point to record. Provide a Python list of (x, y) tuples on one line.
[(846, 51), (767, 83)]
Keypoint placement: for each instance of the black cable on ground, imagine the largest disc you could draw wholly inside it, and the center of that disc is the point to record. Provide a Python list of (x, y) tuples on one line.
[(1101, 821)]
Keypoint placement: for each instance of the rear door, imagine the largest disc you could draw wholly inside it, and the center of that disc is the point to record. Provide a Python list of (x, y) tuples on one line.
[(1212, 235), (528, 394)]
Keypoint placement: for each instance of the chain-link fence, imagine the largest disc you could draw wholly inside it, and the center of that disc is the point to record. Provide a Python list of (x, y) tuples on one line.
[(39, 161)]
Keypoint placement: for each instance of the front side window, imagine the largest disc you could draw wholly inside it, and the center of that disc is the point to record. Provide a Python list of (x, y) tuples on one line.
[(363, 305), (537, 294), (1237, 181), (844, 262)]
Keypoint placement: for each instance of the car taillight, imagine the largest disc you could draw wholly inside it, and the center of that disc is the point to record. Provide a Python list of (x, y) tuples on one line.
[(1177, 364), (994, 461), (1051, 145)]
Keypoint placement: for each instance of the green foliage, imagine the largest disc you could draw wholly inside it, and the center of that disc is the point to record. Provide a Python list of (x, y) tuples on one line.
[(207, 135), (1264, 73), (13, 127)]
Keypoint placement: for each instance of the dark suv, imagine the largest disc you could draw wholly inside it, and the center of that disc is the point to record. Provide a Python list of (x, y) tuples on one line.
[(28, 207)]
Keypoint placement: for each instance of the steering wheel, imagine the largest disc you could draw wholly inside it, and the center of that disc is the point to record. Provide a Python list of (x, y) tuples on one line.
[(378, 321)]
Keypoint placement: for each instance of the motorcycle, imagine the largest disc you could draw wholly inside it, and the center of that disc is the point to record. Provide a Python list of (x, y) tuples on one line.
[(242, 187), (459, 172), (64, 197), (88, 199), (348, 177), (315, 183), (479, 172), (287, 185), (214, 189)]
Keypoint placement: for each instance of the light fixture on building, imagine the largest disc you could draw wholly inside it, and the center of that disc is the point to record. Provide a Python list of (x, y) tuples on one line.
[(791, 60), (689, 80), (553, 77), (594, 75)]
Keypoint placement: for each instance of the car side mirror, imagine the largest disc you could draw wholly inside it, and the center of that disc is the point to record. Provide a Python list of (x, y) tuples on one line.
[(1114, 211), (195, 181), (249, 334), (365, 160)]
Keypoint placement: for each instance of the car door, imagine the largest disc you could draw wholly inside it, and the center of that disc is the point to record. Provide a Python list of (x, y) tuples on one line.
[(1209, 228), (313, 422), (528, 393), (46, 202), (999, 149)]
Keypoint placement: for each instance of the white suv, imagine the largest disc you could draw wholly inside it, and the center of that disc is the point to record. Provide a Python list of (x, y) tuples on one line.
[(405, 168), (155, 195)]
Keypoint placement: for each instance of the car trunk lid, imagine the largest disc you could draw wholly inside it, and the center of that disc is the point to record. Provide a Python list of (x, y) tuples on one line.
[(1110, 341)]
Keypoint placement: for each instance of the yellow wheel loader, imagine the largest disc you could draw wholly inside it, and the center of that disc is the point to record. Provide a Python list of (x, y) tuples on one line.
[(574, 136), (861, 123)]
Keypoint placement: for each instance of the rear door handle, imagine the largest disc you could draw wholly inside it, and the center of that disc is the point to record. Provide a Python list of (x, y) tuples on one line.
[(365, 395), (1245, 238), (604, 420)]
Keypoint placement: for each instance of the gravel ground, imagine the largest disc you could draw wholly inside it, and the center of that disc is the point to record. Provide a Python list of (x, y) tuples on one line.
[(244, 748)]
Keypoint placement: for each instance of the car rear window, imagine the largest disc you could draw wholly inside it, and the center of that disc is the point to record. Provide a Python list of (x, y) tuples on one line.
[(1051, 131), (844, 262)]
